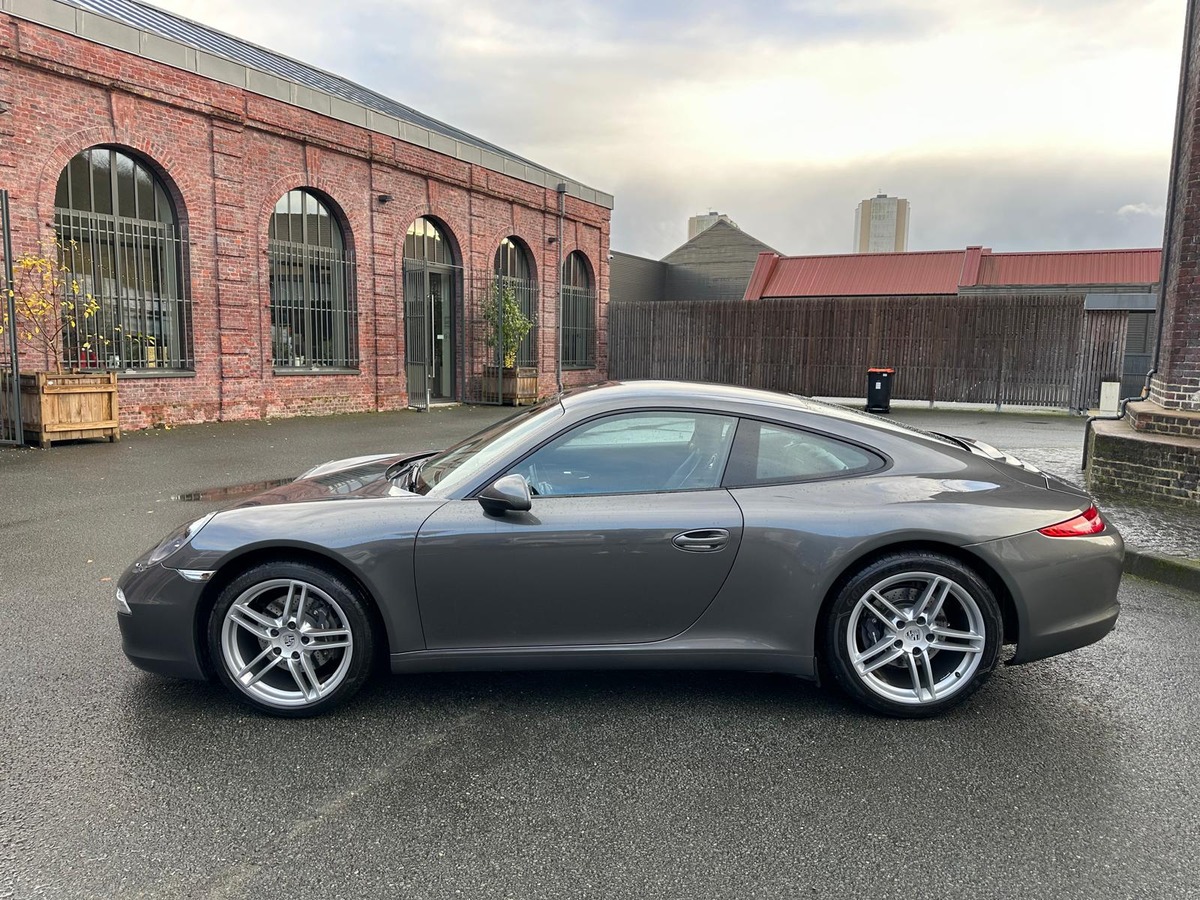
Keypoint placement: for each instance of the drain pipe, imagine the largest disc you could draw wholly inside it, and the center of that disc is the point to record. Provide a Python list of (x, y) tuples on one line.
[(562, 208), (1087, 425), (1172, 198)]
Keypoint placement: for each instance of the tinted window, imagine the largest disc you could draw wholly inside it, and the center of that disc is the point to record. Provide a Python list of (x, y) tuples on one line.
[(767, 453), (633, 453)]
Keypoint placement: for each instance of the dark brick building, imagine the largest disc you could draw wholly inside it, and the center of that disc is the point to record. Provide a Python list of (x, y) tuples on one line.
[(267, 239)]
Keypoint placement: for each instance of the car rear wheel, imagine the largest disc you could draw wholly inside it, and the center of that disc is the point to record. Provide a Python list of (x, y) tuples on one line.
[(290, 639), (913, 634)]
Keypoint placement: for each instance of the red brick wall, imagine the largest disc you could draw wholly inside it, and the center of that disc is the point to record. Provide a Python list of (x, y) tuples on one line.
[(226, 156)]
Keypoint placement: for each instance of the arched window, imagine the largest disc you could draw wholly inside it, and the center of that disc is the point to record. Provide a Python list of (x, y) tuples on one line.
[(578, 313), (513, 271), (314, 321), (123, 244), (426, 242)]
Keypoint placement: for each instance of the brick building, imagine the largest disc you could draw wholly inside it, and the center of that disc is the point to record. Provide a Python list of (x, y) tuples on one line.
[(267, 239), (1154, 449)]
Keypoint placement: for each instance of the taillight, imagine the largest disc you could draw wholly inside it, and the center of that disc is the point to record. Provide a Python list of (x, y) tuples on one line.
[(1087, 522)]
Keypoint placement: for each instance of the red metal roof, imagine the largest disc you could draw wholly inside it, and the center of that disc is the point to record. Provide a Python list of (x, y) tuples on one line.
[(946, 272), (1072, 267), (853, 274)]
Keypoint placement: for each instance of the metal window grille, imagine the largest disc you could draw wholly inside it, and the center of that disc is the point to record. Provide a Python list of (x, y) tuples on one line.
[(125, 249), (526, 292), (578, 327), (314, 315), (513, 271), (482, 321)]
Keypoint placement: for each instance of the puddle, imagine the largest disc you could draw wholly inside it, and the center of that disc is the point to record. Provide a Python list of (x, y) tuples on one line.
[(232, 491)]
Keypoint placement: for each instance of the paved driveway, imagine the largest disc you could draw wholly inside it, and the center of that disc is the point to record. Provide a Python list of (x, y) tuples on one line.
[(1073, 777)]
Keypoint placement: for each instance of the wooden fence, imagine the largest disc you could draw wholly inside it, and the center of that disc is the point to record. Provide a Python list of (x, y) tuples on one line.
[(1002, 349)]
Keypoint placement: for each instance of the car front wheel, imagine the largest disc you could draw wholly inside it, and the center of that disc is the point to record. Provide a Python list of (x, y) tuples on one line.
[(913, 634), (290, 639)]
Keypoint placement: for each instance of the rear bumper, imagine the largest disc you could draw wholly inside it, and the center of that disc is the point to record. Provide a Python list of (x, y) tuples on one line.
[(1064, 590), (159, 633)]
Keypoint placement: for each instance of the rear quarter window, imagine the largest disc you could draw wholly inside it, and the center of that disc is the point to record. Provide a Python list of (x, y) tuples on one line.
[(765, 453)]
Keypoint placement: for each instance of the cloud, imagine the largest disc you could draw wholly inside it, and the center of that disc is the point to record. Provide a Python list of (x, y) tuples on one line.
[(677, 105), (1142, 209), (993, 201)]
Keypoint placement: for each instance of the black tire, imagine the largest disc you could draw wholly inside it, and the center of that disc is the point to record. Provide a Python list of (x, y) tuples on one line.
[(304, 667), (904, 667)]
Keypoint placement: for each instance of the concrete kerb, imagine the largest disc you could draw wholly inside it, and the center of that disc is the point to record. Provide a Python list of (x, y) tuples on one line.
[(1170, 570)]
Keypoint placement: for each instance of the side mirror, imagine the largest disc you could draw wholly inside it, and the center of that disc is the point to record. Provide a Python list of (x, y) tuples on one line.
[(510, 493)]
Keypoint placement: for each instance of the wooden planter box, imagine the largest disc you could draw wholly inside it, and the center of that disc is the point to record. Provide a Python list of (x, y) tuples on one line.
[(69, 406), (518, 386)]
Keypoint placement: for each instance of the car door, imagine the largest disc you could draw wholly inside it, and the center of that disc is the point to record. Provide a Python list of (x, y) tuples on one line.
[(629, 538)]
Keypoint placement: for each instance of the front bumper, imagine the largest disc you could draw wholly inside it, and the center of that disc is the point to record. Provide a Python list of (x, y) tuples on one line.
[(159, 634), (1064, 589)]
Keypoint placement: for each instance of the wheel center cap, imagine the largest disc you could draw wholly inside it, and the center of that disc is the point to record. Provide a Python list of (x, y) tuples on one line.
[(913, 635), (288, 640)]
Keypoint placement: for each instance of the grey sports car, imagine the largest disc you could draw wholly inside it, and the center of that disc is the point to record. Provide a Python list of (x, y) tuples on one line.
[(638, 525)]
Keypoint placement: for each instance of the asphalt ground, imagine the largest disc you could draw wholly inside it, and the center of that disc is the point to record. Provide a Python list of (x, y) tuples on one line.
[(1072, 777)]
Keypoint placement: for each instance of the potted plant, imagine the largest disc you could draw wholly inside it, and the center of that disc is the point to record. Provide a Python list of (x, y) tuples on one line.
[(507, 327), (49, 305)]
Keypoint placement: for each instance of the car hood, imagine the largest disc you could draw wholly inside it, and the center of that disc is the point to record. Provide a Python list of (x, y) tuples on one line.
[(358, 477)]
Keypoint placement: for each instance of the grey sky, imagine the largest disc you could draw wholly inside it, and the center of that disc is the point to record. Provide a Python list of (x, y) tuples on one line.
[(1019, 124)]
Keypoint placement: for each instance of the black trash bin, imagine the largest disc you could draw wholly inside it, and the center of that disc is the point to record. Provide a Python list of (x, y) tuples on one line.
[(879, 390)]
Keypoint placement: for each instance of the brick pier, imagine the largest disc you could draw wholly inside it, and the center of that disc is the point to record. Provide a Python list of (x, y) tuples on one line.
[(1155, 450)]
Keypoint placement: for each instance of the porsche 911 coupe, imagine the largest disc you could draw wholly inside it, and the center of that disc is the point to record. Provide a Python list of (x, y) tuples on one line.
[(638, 525)]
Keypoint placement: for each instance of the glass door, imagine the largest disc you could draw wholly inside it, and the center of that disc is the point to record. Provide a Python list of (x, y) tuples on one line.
[(429, 333), (441, 321), (416, 335)]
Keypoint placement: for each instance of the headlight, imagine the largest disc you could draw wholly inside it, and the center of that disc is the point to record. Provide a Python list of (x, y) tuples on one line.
[(177, 539)]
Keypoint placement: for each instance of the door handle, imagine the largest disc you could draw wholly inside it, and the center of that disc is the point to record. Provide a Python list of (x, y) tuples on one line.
[(704, 540)]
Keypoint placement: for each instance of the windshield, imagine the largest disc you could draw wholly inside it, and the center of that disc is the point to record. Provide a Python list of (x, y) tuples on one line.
[(454, 467)]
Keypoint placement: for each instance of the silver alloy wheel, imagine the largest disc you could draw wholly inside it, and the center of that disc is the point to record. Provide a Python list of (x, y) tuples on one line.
[(916, 638), (286, 643)]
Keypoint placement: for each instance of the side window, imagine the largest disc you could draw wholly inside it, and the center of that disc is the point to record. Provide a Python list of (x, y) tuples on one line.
[(631, 453), (766, 454)]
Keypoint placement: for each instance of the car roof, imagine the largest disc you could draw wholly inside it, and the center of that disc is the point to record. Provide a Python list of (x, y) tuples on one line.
[(612, 395), (616, 392)]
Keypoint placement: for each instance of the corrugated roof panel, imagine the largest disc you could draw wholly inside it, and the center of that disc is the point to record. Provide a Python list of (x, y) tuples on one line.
[(1072, 267), (863, 274)]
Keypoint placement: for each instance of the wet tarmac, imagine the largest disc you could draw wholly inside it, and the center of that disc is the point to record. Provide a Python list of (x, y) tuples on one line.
[(1075, 777)]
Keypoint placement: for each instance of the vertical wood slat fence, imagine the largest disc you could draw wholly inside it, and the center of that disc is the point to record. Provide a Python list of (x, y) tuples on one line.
[(1002, 349)]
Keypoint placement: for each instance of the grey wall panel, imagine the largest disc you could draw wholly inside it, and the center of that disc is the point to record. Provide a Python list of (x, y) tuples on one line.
[(635, 278)]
